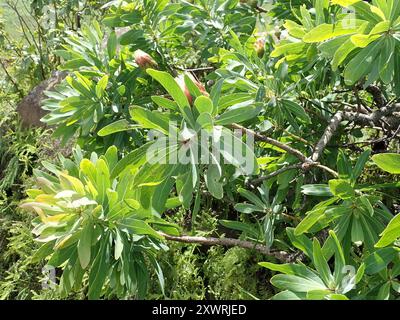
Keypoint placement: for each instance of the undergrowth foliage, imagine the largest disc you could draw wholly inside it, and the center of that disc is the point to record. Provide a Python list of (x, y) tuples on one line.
[(222, 150)]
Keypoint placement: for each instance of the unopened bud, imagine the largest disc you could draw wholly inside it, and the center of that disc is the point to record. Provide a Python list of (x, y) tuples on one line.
[(144, 60), (260, 47), (181, 82)]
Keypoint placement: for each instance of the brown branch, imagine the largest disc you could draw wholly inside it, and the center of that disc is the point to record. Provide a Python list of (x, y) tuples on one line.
[(300, 166), (298, 154), (261, 9), (306, 164), (388, 114), (14, 83), (377, 95), (228, 242), (258, 181), (327, 136)]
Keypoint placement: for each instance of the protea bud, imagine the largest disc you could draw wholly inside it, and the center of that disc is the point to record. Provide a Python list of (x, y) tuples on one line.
[(181, 82), (144, 60), (259, 46)]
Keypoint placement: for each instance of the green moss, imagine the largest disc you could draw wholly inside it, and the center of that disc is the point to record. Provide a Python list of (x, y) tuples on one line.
[(234, 274), (183, 274)]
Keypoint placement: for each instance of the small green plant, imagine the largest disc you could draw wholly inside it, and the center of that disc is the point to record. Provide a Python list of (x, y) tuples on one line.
[(94, 226)]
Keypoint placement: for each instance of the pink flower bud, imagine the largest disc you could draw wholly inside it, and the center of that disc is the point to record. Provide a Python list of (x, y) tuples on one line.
[(144, 60), (181, 82), (259, 46)]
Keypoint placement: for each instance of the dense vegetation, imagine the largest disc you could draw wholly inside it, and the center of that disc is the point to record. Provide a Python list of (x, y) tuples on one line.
[(293, 104)]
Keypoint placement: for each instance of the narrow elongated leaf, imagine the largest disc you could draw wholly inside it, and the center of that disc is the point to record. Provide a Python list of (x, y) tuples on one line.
[(85, 244), (117, 126), (391, 233), (295, 283)]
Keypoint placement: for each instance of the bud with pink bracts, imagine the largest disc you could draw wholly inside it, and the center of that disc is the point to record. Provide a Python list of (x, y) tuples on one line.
[(144, 60), (259, 46), (181, 82)]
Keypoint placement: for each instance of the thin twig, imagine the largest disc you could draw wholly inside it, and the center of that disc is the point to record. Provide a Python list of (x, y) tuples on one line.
[(261, 9), (307, 163), (298, 154), (228, 242), (17, 88), (258, 181)]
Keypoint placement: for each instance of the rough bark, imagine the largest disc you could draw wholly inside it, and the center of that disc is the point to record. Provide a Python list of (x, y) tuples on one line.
[(30, 109), (228, 242)]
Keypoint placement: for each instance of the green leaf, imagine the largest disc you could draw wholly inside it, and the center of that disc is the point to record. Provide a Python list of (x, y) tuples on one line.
[(117, 126), (240, 226), (343, 165), (289, 295), (318, 294), (172, 87), (193, 89), (362, 63), (379, 260), (139, 227), (319, 190), (297, 110), (85, 244), (327, 31), (357, 231), (342, 53), (238, 115), (237, 153), (301, 242), (341, 188), (133, 159), (161, 195), (118, 245), (247, 208), (311, 219), (389, 162), (212, 178), (384, 292), (101, 86), (43, 252), (359, 167), (321, 264), (295, 283), (339, 256), (293, 269), (251, 197), (204, 104), (360, 273), (111, 156), (112, 45), (345, 3), (367, 205), (165, 103), (99, 271), (102, 180), (75, 64), (150, 119), (205, 121), (184, 186), (391, 233)]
